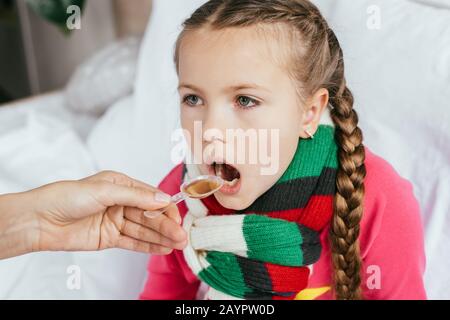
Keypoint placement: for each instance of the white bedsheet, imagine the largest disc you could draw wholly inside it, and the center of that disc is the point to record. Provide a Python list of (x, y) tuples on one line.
[(39, 146), (41, 142)]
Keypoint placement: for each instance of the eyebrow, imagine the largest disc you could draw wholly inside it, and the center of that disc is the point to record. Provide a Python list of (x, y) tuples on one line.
[(189, 86), (231, 88), (247, 86)]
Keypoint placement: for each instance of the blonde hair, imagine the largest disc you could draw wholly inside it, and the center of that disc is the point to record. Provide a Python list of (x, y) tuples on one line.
[(317, 63)]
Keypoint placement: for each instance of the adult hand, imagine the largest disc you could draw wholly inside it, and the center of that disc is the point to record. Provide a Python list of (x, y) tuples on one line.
[(102, 211)]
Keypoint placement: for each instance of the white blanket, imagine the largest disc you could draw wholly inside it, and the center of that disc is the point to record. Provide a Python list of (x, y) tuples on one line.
[(40, 142)]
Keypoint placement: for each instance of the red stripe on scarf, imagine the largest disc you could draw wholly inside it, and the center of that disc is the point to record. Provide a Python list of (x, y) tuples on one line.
[(316, 215), (287, 279), (317, 203), (215, 208)]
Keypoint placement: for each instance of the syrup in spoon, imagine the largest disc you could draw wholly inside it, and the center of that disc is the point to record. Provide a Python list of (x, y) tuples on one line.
[(198, 188)]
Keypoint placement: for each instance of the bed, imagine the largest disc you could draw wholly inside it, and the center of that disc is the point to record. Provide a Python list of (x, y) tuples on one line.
[(398, 65)]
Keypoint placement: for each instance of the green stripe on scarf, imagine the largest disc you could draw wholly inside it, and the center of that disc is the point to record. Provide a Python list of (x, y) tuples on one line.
[(224, 264), (313, 155), (261, 232)]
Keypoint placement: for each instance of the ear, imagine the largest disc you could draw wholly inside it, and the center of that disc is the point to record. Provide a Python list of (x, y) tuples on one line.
[(314, 108)]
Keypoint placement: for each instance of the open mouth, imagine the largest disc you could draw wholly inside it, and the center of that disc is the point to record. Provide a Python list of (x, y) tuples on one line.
[(228, 173)]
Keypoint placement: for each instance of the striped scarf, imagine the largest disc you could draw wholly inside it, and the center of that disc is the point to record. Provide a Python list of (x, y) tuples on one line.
[(263, 252)]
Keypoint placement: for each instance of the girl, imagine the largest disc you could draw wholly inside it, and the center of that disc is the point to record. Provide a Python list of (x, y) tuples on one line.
[(333, 220)]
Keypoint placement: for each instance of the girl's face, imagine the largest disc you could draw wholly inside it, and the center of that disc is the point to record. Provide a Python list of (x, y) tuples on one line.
[(241, 110)]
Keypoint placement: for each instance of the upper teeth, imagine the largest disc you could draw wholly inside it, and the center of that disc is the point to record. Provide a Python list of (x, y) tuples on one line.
[(218, 167)]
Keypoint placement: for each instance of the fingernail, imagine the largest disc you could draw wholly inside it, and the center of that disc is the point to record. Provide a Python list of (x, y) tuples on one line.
[(162, 197), (152, 214)]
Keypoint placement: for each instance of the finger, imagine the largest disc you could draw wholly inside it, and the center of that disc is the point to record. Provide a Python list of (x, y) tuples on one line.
[(110, 194), (164, 225), (173, 213), (120, 179), (132, 244), (170, 211), (145, 234), (169, 228)]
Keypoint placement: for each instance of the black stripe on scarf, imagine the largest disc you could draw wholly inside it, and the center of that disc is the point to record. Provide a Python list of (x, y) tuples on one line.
[(311, 246), (299, 191), (256, 277)]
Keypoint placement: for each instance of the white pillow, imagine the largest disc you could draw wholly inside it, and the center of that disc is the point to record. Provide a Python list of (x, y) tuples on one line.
[(104, 78), (400, 75), (435, 3)]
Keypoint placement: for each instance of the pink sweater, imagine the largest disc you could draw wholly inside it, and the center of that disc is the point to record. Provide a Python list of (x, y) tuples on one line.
[(391, 242)]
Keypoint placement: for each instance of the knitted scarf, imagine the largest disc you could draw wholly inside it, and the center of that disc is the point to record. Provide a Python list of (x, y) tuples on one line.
[(263, 252)]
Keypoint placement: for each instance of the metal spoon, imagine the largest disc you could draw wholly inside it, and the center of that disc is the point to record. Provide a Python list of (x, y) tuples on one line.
[(198, 188)]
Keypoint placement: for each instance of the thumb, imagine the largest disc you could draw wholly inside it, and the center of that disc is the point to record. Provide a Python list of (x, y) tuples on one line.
[(111, 194)]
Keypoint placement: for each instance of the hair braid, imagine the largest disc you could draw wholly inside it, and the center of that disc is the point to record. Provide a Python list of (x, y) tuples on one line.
[(348, 201)]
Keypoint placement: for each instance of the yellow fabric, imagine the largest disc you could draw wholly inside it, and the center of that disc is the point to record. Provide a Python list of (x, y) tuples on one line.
[(311, 293)]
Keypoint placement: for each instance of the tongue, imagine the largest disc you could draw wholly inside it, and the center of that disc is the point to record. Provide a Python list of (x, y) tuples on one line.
[(228, 173)]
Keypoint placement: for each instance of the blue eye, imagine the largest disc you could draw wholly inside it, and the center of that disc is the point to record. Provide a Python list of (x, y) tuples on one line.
[(246, 102), (192, 100)]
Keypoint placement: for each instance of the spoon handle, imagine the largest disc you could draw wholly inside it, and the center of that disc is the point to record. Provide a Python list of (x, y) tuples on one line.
[(175, 199)]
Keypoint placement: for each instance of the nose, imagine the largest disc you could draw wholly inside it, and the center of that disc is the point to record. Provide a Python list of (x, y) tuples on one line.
[(216, 122), (215, 125)]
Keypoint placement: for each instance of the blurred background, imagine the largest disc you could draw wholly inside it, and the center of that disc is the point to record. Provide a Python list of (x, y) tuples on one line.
[(96, 90), (37, 56)]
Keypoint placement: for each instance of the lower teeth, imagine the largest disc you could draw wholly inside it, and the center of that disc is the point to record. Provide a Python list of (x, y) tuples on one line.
[(232, 183)]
